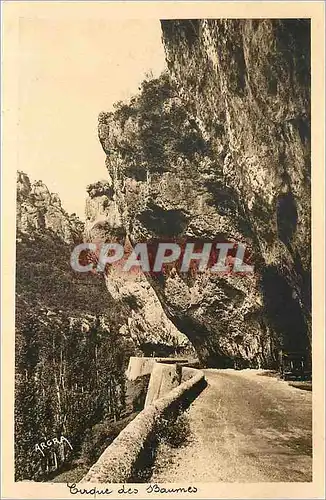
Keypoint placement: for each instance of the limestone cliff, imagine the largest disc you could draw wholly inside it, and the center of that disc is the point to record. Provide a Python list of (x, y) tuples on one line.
[(219, 149)]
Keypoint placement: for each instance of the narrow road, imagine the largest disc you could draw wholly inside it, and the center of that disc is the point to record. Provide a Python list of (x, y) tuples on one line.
[(244, 427)]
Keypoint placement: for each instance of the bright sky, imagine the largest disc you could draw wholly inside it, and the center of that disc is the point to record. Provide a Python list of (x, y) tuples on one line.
[(69, 71)]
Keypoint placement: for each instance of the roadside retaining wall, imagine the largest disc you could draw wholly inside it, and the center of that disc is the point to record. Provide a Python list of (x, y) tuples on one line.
[(138, 367), (117, 462), (163, 379)]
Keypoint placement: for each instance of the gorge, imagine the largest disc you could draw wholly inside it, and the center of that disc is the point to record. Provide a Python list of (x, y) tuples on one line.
[(216, 149)]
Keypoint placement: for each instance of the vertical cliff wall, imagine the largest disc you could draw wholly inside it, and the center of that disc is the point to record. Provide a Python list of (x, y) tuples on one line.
[(219, 149), (247, 82)]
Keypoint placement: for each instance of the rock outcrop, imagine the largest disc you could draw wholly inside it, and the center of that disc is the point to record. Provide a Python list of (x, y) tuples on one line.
[(39, 210), (219, 149), (147, 323)]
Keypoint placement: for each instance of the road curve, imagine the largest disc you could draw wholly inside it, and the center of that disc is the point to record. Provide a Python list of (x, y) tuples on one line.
[(244, 427)]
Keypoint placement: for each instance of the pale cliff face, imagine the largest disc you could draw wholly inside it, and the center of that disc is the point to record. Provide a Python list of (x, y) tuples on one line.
[(223, 152)]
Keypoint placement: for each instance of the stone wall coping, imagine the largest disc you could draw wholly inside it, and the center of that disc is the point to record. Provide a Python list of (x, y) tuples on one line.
[(116, 464)]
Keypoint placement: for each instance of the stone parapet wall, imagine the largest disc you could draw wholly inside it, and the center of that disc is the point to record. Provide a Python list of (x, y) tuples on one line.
[(117, 462)]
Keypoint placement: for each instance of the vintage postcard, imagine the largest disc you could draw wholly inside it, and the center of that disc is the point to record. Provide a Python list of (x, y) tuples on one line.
[(163, 249)]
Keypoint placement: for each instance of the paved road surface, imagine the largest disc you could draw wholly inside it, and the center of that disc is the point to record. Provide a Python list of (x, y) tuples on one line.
[(244, 427)]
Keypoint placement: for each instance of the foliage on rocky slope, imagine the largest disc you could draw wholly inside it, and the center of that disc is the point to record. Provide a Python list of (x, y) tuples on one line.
[(70, 353)]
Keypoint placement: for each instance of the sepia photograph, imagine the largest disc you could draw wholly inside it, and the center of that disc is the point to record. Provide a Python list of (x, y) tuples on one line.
[(162, 221)]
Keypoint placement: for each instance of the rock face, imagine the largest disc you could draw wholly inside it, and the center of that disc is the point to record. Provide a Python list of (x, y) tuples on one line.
[(146, 324), (38, 209), (219, 149), (248, 84)]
